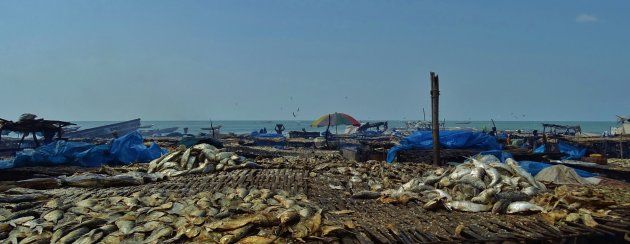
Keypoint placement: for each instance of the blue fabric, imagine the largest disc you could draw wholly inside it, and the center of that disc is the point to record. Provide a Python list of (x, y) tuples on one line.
[(130, 148), (448, 140), (126, 149), (6, 164), (571, 151), (55, 153), (258, 134), (94, 157), (535, 167)]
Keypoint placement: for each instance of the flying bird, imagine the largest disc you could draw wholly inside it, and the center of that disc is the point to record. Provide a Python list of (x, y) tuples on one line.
[(293, 114)]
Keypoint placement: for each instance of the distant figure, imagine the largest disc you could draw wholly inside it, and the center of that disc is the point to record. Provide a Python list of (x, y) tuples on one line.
[(493, 132), (534, 139), (265, 130), (279, 128), (186, 130), (303, 130), (48, 136), (261, 131)]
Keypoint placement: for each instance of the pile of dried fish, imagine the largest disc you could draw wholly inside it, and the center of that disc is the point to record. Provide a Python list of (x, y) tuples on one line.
[(582, 203), (234, 215), (201, 158), (131, 178), (480, 184), (619, 163), (297, 162)]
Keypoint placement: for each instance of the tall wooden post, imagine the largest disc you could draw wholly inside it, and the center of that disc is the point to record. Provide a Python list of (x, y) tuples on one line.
[(435, 119), (623, 132)]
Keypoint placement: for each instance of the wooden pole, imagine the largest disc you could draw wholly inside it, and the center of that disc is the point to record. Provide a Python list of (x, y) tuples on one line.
[(623, 132), (327, 128), (435, 119)]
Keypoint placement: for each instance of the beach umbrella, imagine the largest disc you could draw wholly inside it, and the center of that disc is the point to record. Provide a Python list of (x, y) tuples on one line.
[(335, 119)]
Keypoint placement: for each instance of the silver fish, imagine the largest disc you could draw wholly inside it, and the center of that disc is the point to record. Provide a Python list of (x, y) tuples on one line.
[(480, 164), (485, 196), (467, 206), (204, 146), (166, 159), (530, 191), (517, 207), (436, 204), (521, 172), (501, 166), (184, 159), (170, 165), (459, 172), (477, 173), (441, 193), (154, 163), (495, 177), (190, 163), (224, 156), (473, 181)]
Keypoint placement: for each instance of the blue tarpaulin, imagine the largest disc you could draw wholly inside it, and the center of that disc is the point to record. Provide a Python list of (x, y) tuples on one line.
[(448, 140), (571, 151), (258, 134), (130, 148), (126, 149)]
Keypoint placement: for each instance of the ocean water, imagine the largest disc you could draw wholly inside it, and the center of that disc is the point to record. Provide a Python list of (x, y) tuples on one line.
[(247, 126)]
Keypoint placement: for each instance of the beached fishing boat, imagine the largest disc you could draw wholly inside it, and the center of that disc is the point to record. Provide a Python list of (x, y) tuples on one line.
[(106, 131)]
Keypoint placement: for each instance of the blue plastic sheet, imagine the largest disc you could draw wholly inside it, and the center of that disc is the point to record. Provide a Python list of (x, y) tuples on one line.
[(126, 149), (448, 140), (258, 134), (130, 148), (535, 167), (571, 151), (55, 153), (94, 157), (6, 164)]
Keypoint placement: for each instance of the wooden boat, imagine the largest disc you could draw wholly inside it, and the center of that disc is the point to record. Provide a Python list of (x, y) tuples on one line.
[(106, 131)]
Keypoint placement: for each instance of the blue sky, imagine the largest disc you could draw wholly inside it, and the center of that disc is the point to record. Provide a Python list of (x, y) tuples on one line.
[(196, 60)]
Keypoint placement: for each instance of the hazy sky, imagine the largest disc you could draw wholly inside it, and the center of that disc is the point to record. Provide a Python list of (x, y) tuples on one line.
[(196, 60)]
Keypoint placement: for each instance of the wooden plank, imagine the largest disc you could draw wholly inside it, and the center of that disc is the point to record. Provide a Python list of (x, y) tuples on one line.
[(378, 237), (363, 238)]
